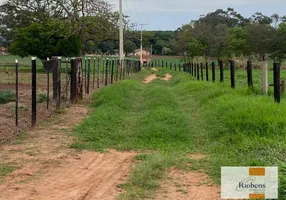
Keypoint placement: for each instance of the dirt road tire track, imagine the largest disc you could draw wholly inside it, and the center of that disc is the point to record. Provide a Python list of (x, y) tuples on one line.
[(49, 170)]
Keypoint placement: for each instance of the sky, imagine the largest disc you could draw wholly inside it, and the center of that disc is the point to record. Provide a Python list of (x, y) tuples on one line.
[(172, 14)]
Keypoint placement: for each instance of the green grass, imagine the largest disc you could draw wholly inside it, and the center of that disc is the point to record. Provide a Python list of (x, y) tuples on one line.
[(5, 170), (6, 96), (42, 98), (233, 127), (243, 128)]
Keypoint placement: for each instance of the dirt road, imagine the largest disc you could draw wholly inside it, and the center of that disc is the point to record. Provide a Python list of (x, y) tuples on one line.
[(49, 169)]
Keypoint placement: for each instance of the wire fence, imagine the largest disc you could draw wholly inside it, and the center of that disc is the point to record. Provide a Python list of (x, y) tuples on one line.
[(35, 94)]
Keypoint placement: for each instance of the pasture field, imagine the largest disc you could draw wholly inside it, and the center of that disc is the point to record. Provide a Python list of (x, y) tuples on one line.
[(168, 122)]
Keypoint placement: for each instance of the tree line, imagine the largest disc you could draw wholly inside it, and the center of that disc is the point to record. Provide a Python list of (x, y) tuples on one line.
[(74, 27), (225, 34)]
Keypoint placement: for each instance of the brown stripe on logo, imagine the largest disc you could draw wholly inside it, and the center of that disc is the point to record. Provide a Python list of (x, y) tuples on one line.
[(256, 171), (256, 196)]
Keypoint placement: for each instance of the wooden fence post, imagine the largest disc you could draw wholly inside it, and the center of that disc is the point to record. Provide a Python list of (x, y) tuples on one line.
[(198, 71), (249, 74), (195, 70), (112, 69), (98, 72), (76, 87), (88, 76), (106, 72), (207, 71), (67, 79), (213, 71), (276, 78), (202, 71), (93, 74), (221, 70), (232, 74)]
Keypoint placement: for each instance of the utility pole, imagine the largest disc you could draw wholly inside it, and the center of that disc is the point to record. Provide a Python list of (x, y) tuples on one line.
[(121, 50), (141, 54)]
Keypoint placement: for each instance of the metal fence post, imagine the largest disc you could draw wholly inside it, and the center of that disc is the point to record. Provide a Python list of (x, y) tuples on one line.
[(34, 91), (17, 92)]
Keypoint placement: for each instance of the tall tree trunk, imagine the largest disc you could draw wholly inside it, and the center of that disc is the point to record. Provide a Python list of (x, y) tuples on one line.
[(265, 76)]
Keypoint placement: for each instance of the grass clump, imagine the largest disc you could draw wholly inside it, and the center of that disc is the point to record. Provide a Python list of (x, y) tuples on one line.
[(42, 98), (5, 170), (6, 96)]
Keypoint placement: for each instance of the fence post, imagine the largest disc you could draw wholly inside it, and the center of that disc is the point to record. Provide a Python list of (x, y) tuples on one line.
[(93, 74), (106, 72), (171, 66), (120, 74), (17, 92), (221, 70), (85, 75), (67, 79), (276, 78), (58, 103), (195, 70), (112, 69), (88, 75), (48, 87), (198, 71), (98, 72), (179, 66), (202, 71), (213, 71), (76, 80), (249, 74), (34, 91), (207, 71), (117, 69), (232, 74)]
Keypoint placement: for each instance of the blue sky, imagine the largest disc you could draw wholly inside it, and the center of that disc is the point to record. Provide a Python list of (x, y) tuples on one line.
[(171, 14)]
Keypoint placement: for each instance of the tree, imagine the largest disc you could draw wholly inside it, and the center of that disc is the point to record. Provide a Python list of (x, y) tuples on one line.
[(237, 41), (166, 51), (196, 48), (278, 50), (45, 40), (182, 37), (259, 18), (260, 39), (218, 46), (89, 19), (129, 46)]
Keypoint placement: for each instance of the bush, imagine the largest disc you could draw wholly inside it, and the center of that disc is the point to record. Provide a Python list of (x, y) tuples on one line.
[(42, 98), (6, 96)]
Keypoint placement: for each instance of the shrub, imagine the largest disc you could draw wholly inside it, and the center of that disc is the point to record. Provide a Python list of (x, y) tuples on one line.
[(42, 98), (6, 96)]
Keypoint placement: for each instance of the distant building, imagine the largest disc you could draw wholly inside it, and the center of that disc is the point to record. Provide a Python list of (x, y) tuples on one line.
[(146, 55), (3, 50)]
